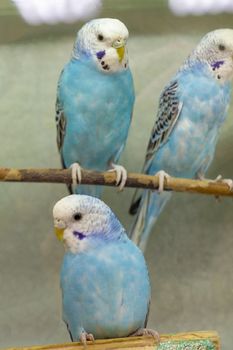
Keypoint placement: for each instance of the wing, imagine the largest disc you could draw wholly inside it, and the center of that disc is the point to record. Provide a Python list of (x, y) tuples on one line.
[(147, 315), (60, 119), (67, 326), (169, 110), (61, 125)]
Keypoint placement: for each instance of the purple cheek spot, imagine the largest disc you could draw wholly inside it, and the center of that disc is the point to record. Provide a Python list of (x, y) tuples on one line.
[(217, 64), (100, 54), (79, 235)]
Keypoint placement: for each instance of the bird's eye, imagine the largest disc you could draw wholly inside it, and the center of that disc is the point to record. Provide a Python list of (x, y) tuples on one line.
[(221, 47), (77, 216), (100, 37)]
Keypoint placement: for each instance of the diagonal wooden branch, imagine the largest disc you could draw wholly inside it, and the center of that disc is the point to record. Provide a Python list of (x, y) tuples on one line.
[(109, 179)]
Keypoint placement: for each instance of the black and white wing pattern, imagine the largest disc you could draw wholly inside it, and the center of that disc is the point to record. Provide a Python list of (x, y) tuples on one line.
[(61, 130), (60, 120), (169, 110), (61, 125), (168, 113)]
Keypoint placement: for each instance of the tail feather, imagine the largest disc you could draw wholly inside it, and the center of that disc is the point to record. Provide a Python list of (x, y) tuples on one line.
[(135, 203), (151, 205), (137, 196), (139, 222), (134, 206), (69, 187)]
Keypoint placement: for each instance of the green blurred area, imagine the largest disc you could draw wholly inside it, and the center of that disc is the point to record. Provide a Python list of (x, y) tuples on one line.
[(190, 254), (142, 17)]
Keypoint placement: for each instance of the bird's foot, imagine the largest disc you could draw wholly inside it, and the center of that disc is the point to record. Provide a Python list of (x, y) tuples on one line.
[(162, 175), (121, 175), (146, 331), (86, 336), (219, 179), (228, 182), (200, 176), (76, 174)]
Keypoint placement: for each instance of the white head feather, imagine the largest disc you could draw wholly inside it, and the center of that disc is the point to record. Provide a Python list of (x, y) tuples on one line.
[(103, 36), (216, 48), (81, 217)]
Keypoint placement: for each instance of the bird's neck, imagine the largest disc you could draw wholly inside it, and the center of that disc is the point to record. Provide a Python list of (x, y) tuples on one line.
[(220, 70), (96, 242), (193, 62)]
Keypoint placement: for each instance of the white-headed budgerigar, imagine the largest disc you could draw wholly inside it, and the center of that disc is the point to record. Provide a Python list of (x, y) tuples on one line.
[(192, 109), (95, 99), (104, 278)]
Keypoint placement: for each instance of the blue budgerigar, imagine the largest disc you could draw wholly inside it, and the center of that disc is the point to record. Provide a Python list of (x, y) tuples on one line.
[(104, 278), (95, 99), (192, 109)]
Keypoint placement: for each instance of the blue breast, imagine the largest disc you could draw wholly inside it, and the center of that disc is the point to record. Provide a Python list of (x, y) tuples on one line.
[(106, 290), (98, 110)]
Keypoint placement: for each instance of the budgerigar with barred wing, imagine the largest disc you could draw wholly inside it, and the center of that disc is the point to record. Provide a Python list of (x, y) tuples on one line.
[(104, 278), (95, 99), (192, 109)]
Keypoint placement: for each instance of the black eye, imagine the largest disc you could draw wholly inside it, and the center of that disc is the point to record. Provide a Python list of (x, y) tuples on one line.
[(221, 47), (77, 216), (100, 37)]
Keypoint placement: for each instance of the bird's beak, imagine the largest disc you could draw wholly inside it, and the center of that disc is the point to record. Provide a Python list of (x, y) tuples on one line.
[(59, 233), (121, 53), (119, 45)]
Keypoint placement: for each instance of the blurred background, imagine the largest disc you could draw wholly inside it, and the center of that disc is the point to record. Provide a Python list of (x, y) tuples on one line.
[(190, 254)]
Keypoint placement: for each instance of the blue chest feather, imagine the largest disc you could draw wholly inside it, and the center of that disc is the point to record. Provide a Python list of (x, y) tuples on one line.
[(106, 290), (98, 109)]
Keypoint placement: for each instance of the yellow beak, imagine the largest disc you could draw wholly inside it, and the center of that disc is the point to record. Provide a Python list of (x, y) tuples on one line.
[(121, 52), (59, 233), (119, 45)]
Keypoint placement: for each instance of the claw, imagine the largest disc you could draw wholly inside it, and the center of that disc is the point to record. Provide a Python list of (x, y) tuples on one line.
[(76, 174), (146, 331), (86, 336), (162, 175), (200, 176), (121, 175), (228, 182), (219, 178)]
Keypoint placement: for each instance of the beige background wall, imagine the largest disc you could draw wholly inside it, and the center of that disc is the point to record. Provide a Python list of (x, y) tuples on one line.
[(190, 254)]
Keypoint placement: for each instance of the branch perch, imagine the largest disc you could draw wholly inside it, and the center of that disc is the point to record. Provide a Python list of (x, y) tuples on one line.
[(180, 341), (109, 179)]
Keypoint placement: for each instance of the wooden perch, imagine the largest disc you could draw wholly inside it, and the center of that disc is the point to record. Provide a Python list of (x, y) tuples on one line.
[(180, 341), (109, 179)]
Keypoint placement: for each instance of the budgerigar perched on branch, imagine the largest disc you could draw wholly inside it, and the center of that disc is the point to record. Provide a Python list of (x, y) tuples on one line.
[(95, 100), (104, 279), (192, 109)]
